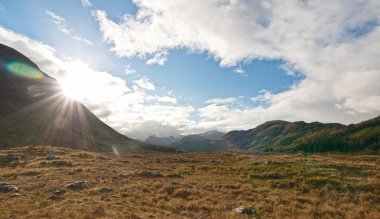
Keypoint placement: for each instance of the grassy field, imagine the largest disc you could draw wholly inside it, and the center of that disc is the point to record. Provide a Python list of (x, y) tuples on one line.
[(189, 185)]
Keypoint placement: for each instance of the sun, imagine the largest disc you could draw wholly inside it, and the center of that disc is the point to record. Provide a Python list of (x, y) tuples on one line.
[(72, 88), (85, 84), (76, 83)]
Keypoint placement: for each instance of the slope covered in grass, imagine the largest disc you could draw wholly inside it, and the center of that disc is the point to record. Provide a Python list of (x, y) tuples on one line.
[(34, 111)]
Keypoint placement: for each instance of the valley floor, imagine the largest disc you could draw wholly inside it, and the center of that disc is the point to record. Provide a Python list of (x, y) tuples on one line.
[(188, 185)]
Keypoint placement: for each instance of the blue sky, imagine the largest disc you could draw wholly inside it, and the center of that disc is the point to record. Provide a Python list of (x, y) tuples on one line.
[(200, 65), (196, 77)]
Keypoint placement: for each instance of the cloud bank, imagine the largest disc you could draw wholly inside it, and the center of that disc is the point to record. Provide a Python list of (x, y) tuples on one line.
[(129, 107), (62, 26), (334, 45)]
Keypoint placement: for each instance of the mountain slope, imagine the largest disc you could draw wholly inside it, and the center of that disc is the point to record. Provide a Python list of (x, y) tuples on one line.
[(310, 137), (205, 142), (163, 141), (34, 111)]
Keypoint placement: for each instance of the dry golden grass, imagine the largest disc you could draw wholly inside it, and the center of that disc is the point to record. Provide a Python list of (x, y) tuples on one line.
[(191, 185)]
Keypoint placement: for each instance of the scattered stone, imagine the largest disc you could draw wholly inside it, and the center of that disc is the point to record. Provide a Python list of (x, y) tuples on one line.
[(10, 159), (5, 187), (50, 156), (59, 192), (105, 190), (15, 195), (174, 175), (270, 162), (212, 162), (75, 171), (102, 158), (61, 163), (77, 185), (149, 174), (123, 175), (245, 210), (55, 197), (85, 155)]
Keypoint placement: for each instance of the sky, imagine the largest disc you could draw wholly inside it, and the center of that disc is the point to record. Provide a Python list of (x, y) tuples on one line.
[(170, 67)]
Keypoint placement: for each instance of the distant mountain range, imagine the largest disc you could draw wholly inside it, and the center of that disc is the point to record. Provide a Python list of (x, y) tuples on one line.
[(34, 111), (207, 141), (163, 141), (282, 136)]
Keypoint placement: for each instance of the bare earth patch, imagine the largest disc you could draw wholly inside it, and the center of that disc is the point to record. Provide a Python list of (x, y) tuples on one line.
[(188, 185)]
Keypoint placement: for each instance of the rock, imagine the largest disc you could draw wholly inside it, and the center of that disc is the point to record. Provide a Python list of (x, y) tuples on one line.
[(10, 159), (102, 158), (5, 187), (124, 161), (75, 171), (245, 210), (149, 174), (123, 175), (55, 197), (50, 156), (61, 163), (212, 162), (59, 192), (77, 185), (15, 195), (105, 190), (174, 175), (270, 162)]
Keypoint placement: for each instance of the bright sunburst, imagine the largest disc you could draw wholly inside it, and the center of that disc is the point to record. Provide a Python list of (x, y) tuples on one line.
[(82, 83), (77, 83)]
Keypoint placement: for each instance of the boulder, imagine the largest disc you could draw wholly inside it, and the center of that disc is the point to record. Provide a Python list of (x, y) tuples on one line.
[(10, 159), (245, 210), (213, 162), (55, 197), (105, 190), (59, 192), (15, 195), (77, 185), (149, 174), (270, 162), (61, 163), (5, 188)]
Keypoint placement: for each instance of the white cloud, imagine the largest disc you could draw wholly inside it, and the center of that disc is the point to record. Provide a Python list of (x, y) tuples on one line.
[(221, 100), (163, 99), (144, 83), (158, 58), (240, 71), (136, 113), (128, 70), (334, 45), (62, 26), (86, 3)]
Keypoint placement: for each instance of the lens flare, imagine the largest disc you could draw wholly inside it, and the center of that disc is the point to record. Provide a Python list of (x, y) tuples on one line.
[(115, 151), (35, 91), (23, 70)]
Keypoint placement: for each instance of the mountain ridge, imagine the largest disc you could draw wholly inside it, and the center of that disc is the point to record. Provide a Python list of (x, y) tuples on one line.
[(34, 111), (283, 136)]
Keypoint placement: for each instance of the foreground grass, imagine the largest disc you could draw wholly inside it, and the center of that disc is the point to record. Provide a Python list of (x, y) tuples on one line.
[(190, 185)]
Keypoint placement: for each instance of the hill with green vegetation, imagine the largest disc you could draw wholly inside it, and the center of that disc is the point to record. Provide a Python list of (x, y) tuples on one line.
[(203, 142), (282, 136), (34, 111)]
